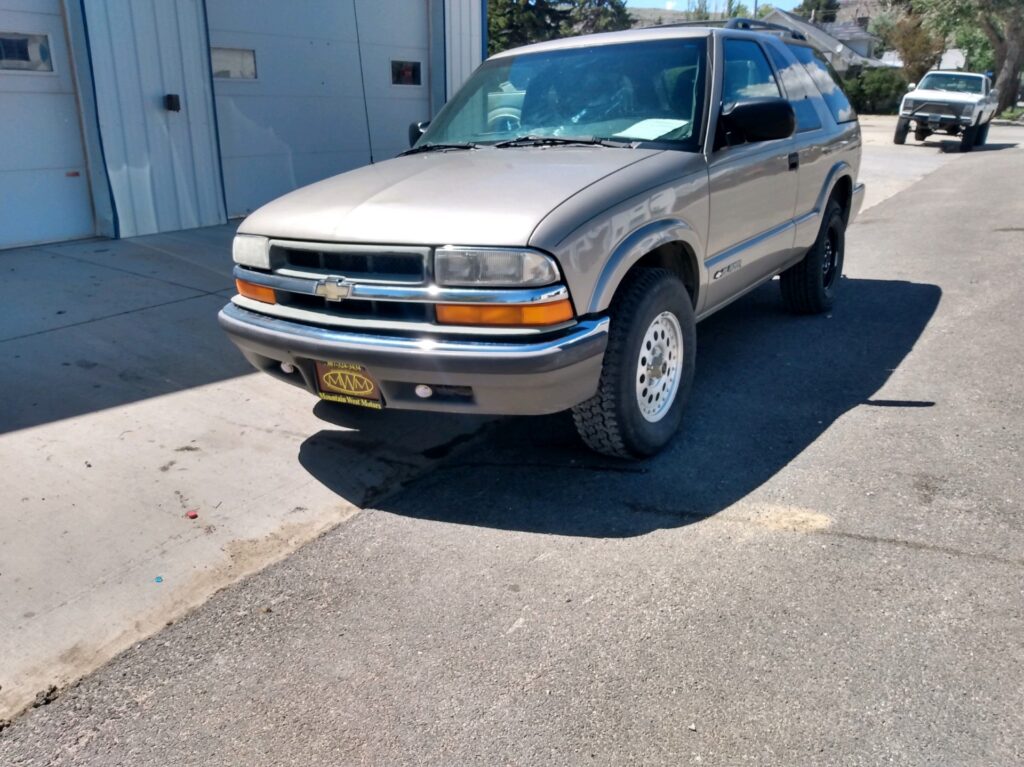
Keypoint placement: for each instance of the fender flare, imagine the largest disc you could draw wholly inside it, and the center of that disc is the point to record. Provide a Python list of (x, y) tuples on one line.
[(635, 246), (838, 171)]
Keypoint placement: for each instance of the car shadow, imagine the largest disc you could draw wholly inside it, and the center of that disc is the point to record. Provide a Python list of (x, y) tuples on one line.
[(951, 146), (768, 385)]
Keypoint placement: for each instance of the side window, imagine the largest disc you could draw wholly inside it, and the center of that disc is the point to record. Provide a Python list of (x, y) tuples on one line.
[(828, 82), (799, 89), (747, 74)]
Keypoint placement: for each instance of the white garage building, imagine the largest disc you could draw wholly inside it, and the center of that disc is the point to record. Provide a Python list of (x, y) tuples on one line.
[(129, 117)]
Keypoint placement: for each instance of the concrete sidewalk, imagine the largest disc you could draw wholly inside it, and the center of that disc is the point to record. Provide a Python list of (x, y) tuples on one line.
[(124, 407)]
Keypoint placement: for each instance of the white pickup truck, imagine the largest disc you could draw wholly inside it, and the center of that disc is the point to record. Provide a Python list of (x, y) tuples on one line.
[(959, 103)]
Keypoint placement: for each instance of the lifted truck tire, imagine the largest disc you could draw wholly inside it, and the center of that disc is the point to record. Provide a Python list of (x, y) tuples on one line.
[(902, 129), (921, 134), (809, 287), (967, 141), (982, 136), (652, 328)]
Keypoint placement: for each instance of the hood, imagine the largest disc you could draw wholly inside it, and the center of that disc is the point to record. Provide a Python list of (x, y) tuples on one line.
[(948, 97), (475, 197)]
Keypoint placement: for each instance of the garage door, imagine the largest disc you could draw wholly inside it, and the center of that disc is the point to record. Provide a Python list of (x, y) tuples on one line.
[(44, 190), (155, 103), (304, 96)]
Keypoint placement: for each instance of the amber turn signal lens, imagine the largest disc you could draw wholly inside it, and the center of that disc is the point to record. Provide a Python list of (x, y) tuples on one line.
[(256, 292), (505, 314)]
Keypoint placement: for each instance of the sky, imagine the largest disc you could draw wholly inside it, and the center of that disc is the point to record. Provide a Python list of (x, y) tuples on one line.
[(680, 5)]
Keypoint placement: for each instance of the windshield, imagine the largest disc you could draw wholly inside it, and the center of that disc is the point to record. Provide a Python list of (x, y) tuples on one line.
[(650, 91), (956, 83)]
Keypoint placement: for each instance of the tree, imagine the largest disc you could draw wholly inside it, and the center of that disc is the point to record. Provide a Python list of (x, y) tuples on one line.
[(736, 10), (764, 9), (1001, 22), (511, 23), (824, 10), (584, 17), (919, 47)]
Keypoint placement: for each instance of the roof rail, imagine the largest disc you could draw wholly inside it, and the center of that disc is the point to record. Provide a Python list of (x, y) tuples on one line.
[(755, 25)]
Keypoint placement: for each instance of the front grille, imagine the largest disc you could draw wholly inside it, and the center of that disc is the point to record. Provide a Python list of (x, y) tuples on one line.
[(935, 108), (370, 266), (355, 309)]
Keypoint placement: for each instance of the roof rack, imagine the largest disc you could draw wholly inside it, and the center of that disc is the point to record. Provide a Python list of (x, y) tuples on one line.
[(756, 25)]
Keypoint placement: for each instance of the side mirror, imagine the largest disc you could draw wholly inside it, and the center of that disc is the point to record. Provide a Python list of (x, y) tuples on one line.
[(754, 120), (994, 94), (911, 86), (416, 130)]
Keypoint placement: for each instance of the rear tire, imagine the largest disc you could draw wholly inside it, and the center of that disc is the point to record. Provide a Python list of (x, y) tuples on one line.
[(647, 371), (902, 129), (810, 286)]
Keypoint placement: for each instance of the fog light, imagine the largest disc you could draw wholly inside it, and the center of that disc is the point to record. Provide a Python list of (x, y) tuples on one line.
[(287, 368), (423, 391)]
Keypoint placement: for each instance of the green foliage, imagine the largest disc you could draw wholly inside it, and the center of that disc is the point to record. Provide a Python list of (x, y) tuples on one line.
[(736, 9), (824, 10), (585, 17), (883, 26), (876, 91), (764, 9), (918, 46), (511, 23)]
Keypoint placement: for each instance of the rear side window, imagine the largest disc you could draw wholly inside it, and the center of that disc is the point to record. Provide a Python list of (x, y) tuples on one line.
[(747, 74), (828, 82), (800, 90)]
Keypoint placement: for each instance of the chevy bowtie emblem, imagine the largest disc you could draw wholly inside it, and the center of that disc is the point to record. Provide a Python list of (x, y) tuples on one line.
[(333, 290)]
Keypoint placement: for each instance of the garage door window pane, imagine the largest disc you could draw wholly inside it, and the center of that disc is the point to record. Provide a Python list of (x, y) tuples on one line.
[(26, 53), (233, 63)]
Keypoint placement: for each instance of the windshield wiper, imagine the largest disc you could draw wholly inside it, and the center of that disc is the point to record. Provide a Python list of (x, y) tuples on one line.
[(562, 141), (437, 148)]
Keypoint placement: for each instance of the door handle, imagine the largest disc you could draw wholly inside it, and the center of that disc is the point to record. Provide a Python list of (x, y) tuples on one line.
[(794, 160), (172, 102)]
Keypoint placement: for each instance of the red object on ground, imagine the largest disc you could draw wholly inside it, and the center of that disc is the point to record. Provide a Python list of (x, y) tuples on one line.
[(192, 514)]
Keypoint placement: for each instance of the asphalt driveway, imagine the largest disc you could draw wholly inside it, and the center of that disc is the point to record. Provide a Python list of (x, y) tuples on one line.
[(825, 568)]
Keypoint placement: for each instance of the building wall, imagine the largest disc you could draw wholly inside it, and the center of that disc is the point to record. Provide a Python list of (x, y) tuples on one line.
[(464, 40), (44, 187), (336, 85)]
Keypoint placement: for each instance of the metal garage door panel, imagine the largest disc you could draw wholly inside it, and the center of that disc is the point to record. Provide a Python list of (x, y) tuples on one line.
[(44, 189), (163, 165), (303, 117)]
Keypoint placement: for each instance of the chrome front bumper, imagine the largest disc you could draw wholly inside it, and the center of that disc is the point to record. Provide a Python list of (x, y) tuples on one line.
[(499, 376)]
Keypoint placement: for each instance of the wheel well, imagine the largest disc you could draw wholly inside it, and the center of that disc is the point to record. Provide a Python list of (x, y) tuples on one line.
[(843, 194), (676, 257)]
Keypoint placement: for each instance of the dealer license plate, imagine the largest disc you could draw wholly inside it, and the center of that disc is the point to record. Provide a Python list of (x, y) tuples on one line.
[(348, 383)]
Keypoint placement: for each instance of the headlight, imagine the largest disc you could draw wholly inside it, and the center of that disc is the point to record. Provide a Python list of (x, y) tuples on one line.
[(249, 250), (495, 267), (967, 110), (909, 105)]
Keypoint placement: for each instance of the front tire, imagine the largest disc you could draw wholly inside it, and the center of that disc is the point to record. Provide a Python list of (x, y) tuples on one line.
[(902, 129), (648, 368), (982, 136), (810, 286), (969, 138)]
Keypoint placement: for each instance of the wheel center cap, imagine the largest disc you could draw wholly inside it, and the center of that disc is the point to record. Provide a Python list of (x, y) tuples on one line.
[(654, 370)]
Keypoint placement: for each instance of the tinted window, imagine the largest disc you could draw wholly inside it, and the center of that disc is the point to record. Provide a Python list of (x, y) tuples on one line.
[(747, 74), (799, 89), (828, 82)]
